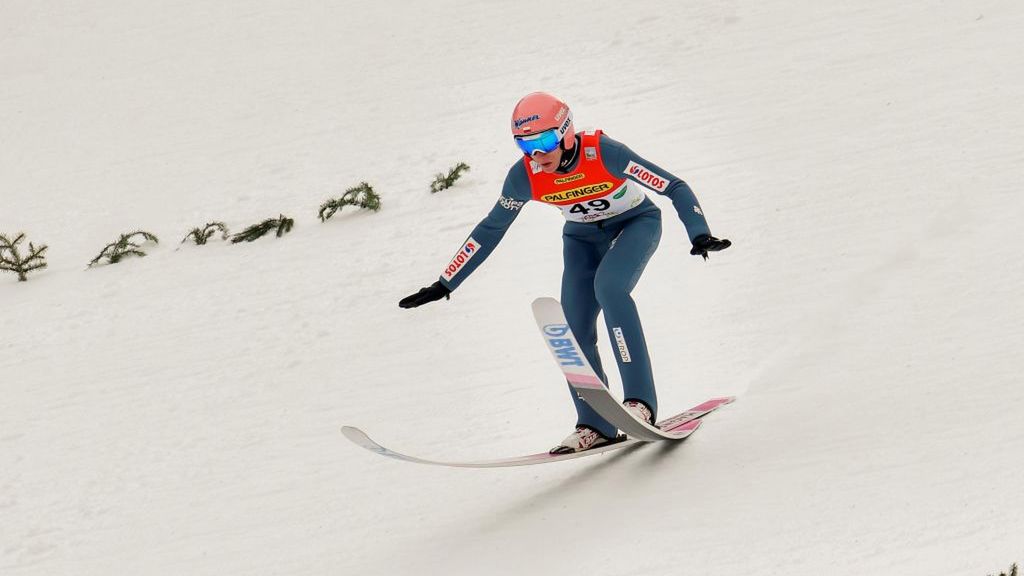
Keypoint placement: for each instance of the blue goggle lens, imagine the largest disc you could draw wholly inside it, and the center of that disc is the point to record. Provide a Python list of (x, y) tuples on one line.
[(544, 142)]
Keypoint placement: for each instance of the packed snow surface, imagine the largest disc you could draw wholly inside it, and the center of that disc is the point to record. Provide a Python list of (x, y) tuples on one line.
[(180, 413)]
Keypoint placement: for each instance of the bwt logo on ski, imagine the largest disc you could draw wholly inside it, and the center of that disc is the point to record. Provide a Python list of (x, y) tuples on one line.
[(646, 177), (467, 251), (556, 330), (564, 348)]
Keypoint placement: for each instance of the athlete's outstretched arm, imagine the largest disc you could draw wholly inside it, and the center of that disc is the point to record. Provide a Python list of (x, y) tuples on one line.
[(622, 161), (481, 242)]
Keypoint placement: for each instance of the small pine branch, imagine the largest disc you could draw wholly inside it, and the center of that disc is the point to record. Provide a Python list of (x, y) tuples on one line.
[(11, 259), (282, 224), (201, 236), (1013, 571), (444, 181), (125, 246), (361, 196)]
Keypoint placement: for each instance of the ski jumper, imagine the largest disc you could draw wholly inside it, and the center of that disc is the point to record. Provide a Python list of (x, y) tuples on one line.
[(612, 228)]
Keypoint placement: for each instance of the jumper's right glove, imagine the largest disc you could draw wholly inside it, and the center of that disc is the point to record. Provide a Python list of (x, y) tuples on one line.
[(435, 291), (707, 243)]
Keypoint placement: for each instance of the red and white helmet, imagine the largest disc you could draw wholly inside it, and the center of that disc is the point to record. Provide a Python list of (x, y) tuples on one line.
[(539, 111)]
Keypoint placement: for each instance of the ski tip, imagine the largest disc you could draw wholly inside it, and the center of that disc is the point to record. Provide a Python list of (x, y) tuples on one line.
[(354, 434), (544, 301)]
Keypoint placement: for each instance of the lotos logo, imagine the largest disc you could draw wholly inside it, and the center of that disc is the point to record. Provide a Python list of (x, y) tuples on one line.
[(465, 253), (520, 121), (575, 194), (572, 178), (646, 177)]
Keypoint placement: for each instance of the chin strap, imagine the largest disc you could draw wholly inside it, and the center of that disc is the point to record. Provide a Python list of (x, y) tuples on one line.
[(568, 159)]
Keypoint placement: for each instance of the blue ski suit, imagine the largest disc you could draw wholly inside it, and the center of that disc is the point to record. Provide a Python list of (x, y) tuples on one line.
[(612, 228)]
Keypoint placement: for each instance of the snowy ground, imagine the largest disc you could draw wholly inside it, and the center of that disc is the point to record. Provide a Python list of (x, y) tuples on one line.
[(180, 414)]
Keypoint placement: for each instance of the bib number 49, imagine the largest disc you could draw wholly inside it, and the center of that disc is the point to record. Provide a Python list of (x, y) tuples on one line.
[(586, 207)]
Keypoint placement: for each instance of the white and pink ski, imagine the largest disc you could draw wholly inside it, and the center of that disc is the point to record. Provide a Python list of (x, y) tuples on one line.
[(566, 351)]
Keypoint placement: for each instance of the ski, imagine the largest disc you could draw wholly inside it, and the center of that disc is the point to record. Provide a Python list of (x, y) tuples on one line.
[(682, 425), (585, 382)]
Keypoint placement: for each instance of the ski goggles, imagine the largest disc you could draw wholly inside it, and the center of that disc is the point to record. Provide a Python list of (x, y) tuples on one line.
[(542, 142)]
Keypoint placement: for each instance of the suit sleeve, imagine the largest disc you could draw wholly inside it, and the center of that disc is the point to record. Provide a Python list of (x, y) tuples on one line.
[(486, 236), (623, 162)]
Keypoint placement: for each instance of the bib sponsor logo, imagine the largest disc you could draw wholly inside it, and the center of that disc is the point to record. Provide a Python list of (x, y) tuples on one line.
[(620, 340), (564, 348), (646, 177), (520, 121), (576, 194), (572, 178), (590, 153), (468, 250)]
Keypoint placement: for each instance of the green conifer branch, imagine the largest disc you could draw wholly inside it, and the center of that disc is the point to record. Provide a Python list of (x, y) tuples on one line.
[(444, 181), (11, 259), (124, 246), (201, 235), (282, 224), (361, 196)]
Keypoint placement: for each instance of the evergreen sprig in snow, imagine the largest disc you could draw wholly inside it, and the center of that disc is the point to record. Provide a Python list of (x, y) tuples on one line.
[(444, 181), (125, 246), (362, 196), (11, 259), (282, 224), (201, 235), (1012, 572)]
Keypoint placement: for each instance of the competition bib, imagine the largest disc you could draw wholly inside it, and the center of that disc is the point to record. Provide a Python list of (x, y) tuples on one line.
[(589, 193), (599, 206)]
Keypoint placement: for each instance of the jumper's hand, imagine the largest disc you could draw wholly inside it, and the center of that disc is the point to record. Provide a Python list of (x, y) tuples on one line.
[(707, 243), (435, 291)]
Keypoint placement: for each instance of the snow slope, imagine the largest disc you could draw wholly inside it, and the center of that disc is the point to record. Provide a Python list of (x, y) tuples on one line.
[(179, 414)]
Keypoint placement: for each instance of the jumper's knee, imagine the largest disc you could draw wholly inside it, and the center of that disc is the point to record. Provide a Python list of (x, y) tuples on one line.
[(610, 290)]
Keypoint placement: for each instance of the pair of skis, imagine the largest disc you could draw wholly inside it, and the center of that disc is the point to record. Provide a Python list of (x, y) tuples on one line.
[(584, 381)]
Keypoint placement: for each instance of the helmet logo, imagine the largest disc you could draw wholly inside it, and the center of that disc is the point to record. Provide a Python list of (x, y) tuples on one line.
[(565, 125), (520, 121), (561, 112)]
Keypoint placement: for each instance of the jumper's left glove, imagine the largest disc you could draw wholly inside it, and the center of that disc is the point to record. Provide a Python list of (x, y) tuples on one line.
[(707, 243), (435, 291)]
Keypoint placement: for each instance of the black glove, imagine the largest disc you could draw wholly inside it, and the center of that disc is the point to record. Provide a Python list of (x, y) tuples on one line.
[(435, 291), (707, 243)]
